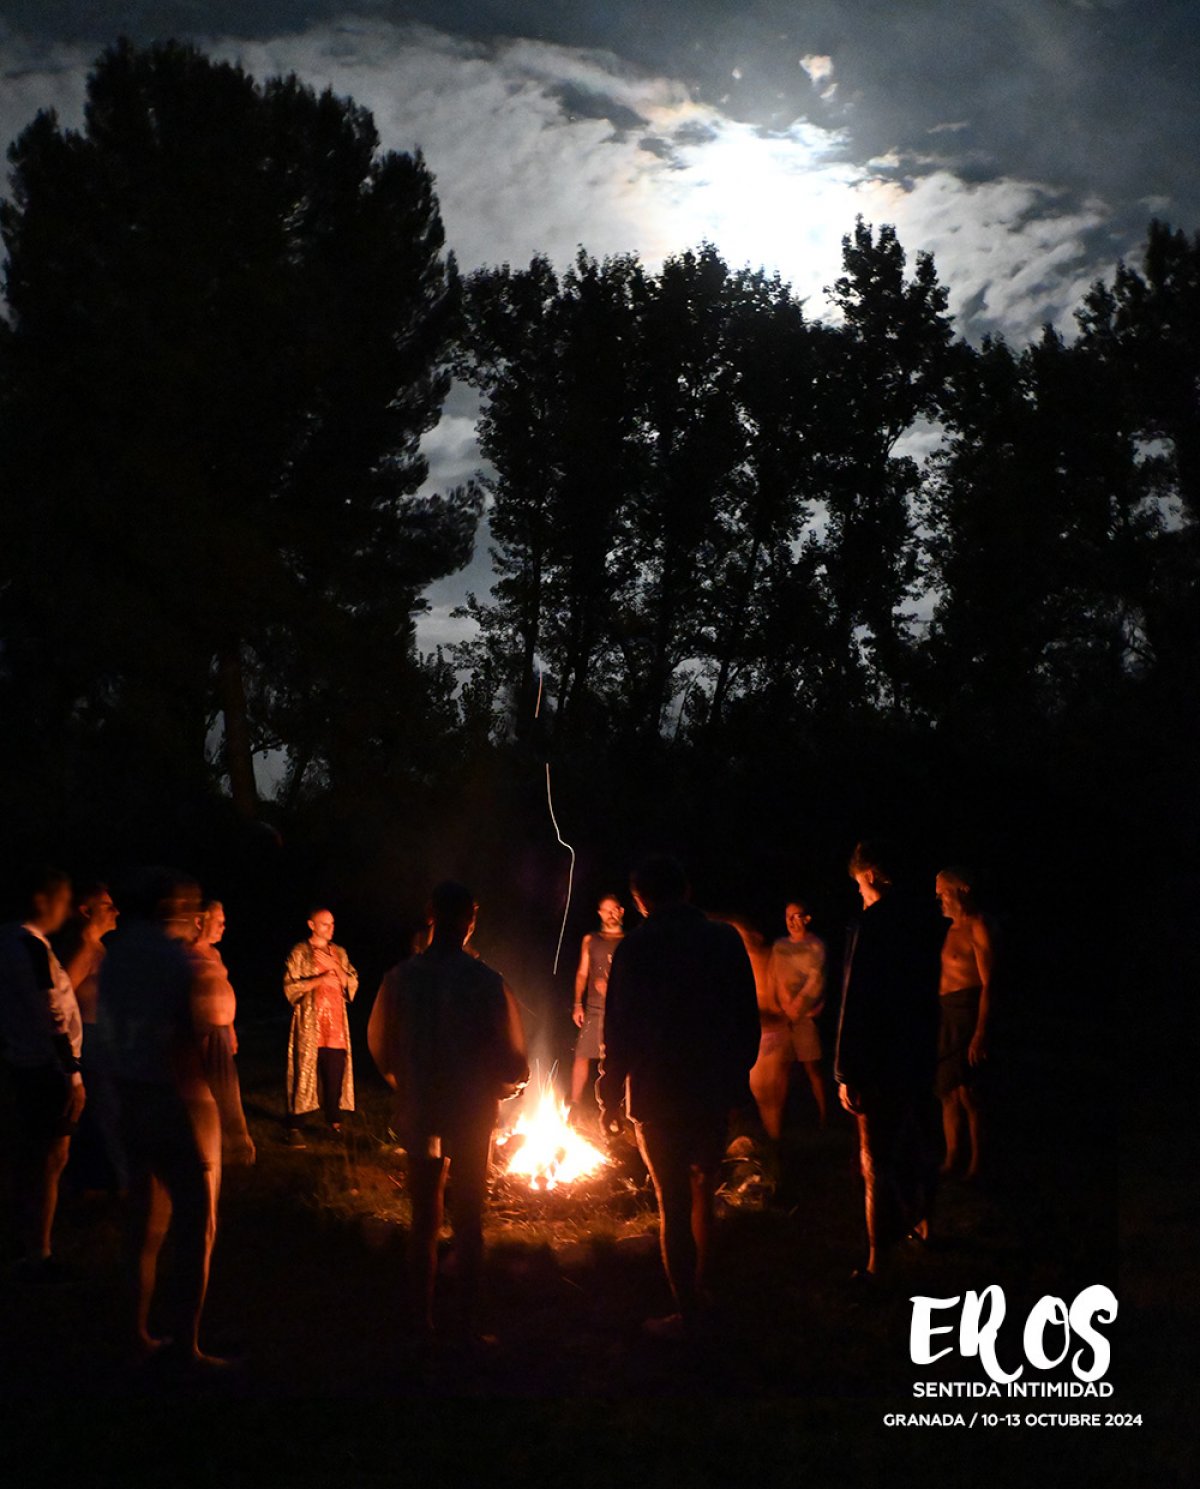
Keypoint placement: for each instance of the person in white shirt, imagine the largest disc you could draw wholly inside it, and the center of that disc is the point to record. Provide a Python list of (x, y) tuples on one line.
[(43, 1040)]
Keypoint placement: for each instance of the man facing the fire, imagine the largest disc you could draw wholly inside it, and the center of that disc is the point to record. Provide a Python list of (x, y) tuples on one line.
[(446, 1034), (591, 990), (681, 1034)]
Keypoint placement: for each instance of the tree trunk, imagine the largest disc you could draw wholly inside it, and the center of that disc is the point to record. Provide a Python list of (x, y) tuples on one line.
[(239, 756)]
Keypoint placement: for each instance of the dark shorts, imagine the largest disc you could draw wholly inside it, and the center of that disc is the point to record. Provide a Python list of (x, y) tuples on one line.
[(590, 1044), (959, 1016), (41, 1100)]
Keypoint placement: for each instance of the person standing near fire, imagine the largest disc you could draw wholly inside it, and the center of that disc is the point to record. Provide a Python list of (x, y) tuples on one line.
[(681, 1035), (886, 1052), (216, 1004), (591, 991), (320, 983), (445, 1033), (968, 960), (797, 979)]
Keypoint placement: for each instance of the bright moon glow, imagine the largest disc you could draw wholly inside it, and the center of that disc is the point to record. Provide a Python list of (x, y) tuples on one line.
[(544, 1149)]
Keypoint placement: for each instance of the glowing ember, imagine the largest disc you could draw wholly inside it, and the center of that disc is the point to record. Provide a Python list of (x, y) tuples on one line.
[(544, 1149)]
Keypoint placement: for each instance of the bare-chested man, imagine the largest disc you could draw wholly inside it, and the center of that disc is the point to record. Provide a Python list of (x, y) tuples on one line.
[(591, 990), (968, 959)]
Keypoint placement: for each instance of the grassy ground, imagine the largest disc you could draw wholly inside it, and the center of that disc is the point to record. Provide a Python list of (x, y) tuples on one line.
[(307, 1276)]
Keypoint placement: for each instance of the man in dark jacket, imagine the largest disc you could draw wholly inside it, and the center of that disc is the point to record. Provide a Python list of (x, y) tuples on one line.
[(887, 1050), (680, 1035)]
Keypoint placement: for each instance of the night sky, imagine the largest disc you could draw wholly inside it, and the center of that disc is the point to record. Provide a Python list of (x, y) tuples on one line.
[(1025, 142)]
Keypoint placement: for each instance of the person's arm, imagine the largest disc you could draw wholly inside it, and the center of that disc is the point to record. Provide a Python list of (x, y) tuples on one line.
[(984, 943), (79, 965), (296, 980), (815, 988), (381, 1030), (349, 975), (581, 981), (515, 1069)]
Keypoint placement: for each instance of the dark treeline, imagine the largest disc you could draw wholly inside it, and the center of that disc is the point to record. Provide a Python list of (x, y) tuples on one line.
[(766, 580)]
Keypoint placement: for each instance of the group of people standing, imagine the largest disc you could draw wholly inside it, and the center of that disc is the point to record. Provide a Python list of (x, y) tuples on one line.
[(127, 1042)]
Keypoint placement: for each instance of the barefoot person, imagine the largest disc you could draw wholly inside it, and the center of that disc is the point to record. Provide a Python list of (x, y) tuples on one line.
[(169, 1120), (968, 957), (681, 1034), (320, 983), (446, 1035), (591, 989), (97, 1158), (887, 1051), (791, 998), (43, 1040), (216, 1005)]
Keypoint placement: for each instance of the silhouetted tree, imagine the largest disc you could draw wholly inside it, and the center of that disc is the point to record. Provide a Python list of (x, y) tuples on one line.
[(1039, 535), (229, 325), (893, 375)]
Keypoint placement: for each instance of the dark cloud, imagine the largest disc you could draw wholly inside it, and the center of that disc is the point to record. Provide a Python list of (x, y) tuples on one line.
[(1096, 96)]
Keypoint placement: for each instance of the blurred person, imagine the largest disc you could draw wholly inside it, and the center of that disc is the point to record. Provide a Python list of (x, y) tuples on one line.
[(148, 1017), (446, 1034), (320, 983), (216, 1005), (681, 1035), (887, 1052), (797, 978), (968, 962), (97, 1160), (591, 989), (43, 1040)]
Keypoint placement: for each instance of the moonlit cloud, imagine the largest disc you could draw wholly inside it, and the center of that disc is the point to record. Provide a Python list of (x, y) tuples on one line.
[(540, 147), (819, 69)]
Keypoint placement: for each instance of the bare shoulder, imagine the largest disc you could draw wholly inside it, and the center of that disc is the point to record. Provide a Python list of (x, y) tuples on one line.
[(983, 930)]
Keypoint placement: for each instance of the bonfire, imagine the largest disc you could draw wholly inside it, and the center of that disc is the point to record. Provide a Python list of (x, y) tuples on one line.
[(544, 1149)]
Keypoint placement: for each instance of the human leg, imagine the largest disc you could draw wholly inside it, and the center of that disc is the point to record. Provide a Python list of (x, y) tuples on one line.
[(769, 1081), (816, 1080), (426, 1187), (467, 1181), (331, 1070), (679, 1207)]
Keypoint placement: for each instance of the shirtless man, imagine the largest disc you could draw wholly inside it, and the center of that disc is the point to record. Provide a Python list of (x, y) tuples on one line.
[(968, 959), (216, 1008), (591, 990)]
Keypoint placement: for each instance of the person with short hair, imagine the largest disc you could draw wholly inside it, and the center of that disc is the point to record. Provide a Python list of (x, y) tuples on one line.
[(169, 1119), (43, 1040), (887, 1051), (791, 999), (681, 1035), (216, 1004), (97, 1161), (319, 982), (446, 1034), (591, 989), (965, 997)]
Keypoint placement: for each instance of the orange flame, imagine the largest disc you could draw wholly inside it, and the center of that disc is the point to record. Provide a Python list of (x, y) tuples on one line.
[(545, 1149)]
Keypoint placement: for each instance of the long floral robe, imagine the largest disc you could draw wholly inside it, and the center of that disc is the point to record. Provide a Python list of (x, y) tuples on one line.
[(303, 1037)]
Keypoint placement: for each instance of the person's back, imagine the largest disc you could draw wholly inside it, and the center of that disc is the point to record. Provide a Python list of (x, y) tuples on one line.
[(451, 1049), (887, 1035), (682, 1018), (145, 1004)]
